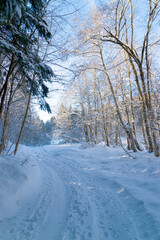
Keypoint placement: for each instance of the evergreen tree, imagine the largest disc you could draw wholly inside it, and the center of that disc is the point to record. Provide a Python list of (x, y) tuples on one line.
[(22, 25)]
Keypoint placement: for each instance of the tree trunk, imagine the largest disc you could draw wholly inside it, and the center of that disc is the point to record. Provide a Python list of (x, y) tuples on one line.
[(143, 102), (6, 118), (131, 103), (23, 123), (126, 128), (5, 127), (5, 86), (85, 127), (105, 132)]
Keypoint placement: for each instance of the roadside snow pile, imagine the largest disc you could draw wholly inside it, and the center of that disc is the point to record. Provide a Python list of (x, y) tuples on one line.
[(19, 177)]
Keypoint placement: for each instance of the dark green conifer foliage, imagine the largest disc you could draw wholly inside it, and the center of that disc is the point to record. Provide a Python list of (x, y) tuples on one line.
[(21, 24)]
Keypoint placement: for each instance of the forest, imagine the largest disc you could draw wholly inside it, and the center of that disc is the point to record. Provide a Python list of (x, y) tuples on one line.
[(108, 56)]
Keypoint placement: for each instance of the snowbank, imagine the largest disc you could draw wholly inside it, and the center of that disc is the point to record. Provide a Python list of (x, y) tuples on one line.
[(19, 179)]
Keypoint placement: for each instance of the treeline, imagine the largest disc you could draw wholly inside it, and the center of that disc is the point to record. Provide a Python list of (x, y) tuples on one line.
[(117, 91), (35, 132)]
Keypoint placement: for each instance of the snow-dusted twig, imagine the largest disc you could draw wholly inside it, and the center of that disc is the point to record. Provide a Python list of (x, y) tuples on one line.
[(125, 149), (24, 161), (9, 149)]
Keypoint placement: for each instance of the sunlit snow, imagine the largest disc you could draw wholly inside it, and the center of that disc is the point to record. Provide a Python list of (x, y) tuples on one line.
[(66, 192)]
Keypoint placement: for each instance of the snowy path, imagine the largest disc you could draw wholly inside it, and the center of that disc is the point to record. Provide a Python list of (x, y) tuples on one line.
[(87, 194)]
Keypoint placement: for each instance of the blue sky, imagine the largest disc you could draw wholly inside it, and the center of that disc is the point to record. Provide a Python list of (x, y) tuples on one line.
[(55, 98), (84, 5)]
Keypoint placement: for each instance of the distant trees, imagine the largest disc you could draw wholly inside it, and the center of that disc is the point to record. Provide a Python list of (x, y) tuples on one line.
[(67, 125), (35, 133)]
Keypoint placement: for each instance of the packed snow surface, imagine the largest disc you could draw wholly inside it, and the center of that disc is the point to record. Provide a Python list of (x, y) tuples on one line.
[(67, 192)]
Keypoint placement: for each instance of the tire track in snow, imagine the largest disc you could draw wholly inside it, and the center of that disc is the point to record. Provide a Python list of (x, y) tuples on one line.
[(115, 212), (95, 213), (78, 215), (79, 201), (107, 216), (145, 225)]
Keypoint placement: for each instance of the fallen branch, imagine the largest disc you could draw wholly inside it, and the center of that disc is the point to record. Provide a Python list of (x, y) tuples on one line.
[(125, 149)]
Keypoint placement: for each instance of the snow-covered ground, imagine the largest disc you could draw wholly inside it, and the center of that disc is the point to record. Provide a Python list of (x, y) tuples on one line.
[(67, 192)]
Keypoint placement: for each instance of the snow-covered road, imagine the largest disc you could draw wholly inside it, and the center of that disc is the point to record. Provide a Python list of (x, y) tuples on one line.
[(85, 194)]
